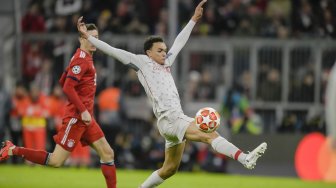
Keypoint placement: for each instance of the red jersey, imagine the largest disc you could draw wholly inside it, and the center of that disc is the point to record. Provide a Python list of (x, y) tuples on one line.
[(82, 73)]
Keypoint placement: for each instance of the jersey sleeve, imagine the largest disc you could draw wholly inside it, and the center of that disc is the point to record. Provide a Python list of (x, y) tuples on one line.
[(62, 79), (121, 55), (74, 74), (77, 69), (179, 43)]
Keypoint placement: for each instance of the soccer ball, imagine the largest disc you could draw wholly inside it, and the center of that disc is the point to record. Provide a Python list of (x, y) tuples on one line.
[(207, 119)]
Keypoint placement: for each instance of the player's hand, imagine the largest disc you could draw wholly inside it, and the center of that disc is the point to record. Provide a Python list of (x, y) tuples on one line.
[(198, 11), (86, 117), (82, 28)]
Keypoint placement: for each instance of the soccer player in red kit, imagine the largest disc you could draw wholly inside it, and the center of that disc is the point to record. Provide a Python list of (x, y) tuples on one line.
[(79, 85)]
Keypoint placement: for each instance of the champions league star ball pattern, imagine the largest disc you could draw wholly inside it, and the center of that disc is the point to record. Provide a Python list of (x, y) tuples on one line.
[(207, 119)]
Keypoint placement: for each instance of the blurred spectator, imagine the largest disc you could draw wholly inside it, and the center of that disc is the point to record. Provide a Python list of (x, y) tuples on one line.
[(193, 79), (239, 114), (5, 106), (34, 120), (122, 18), (289, 124), (303, 83), (304, 19), (244, 83), (314, 122), (131, 86), (189, 157), (307, 89), (328, 26), (154, 152), (270, 88), (56, 103), (20, 102), (153, 11), (102, 75), (161, 27), (214, 162), (60, 25), (206, 89), (276, 23), (245, 28), (67, 7), (45, 78), (33, 20), (138, 28), (297, 121), (109, 113), (104, 20), (32, 60), (281, 8), (123, 147)]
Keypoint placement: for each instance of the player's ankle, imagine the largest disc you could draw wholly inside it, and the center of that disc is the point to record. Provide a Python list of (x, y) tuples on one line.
[(10, 150), (242, 158)]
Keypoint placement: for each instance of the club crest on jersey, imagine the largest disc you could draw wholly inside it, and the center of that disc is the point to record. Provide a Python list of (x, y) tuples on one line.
[(76, 69), (71, 143)]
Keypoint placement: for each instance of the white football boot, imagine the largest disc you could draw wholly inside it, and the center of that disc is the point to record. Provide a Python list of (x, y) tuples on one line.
[(252, 157)]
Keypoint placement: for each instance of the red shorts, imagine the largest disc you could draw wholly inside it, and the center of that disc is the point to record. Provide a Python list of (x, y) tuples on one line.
[(74, 131)]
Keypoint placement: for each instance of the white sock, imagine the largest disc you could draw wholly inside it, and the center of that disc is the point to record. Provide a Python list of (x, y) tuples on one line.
[(221, 145), (152, 181)]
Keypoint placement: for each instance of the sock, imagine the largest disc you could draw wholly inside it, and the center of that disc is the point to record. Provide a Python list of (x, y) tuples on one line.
[(35, 156), (221, 145), (109, 172), (152, 181)]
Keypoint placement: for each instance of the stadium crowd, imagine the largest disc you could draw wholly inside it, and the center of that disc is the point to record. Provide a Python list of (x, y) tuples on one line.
[(244, 18), (34, 109)]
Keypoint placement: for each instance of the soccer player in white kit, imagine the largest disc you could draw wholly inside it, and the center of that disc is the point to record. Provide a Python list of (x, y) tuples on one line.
[(153, 70)]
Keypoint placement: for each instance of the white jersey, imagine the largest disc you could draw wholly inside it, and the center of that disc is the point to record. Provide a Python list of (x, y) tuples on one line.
[(156, 79)]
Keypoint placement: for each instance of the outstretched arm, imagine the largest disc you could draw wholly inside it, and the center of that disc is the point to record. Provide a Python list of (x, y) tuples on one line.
[(330, 106), (183, 36), (121, 55)]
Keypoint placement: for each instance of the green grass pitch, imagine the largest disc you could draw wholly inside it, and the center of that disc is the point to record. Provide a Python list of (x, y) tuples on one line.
[(45, 177)]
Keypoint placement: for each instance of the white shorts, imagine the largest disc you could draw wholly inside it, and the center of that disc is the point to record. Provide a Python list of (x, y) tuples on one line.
[(173, 129)]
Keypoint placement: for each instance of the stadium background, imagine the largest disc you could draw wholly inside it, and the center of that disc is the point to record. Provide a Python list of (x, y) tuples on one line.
[(263, 64)]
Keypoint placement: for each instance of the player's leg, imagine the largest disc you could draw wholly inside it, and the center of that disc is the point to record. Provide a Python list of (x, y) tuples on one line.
[(107, 161), (55, 159), (94, 136), (221, 145), (66, 139), (58, 157), (173, 156)]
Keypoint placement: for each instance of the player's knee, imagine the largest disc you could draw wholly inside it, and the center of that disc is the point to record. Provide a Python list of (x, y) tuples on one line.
[(55, 161), (107, 154), (55, 164)]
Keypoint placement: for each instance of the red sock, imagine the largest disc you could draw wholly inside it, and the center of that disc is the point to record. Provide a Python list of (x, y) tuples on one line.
[(35, 156), (237, 154), (109, 172)]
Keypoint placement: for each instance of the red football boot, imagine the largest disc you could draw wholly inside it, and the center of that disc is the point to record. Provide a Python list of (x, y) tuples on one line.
[(4, 150)]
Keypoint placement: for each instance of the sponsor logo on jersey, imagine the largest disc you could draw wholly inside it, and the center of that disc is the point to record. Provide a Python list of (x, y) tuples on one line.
[(158, 67), (76, 69)]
